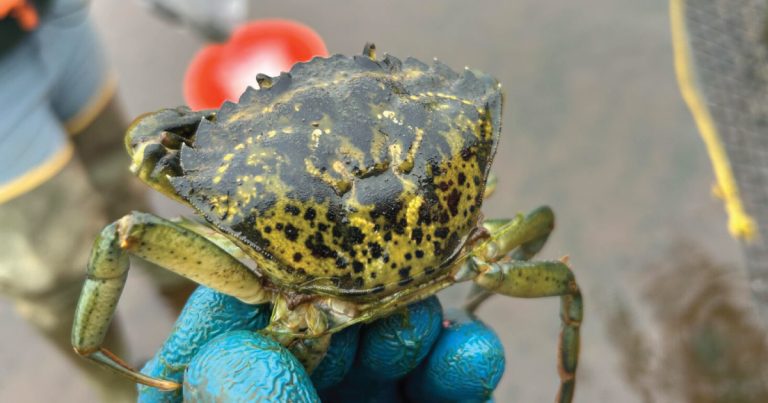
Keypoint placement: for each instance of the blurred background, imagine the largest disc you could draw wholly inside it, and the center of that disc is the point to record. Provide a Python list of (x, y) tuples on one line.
[(594, 126)]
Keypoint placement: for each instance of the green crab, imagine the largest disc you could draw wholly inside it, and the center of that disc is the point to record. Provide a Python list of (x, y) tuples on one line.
[(339, 192)]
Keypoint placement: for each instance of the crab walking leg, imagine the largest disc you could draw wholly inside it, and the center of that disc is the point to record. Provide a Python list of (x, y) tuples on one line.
[(536, 279), (526, 235), (166, 244)]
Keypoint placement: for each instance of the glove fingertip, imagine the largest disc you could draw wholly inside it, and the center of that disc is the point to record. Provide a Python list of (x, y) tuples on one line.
[(466, 364), (393, 346), (338, 359), (244, 366)]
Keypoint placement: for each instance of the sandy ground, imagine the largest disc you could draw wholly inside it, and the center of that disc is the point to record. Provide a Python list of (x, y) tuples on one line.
[(594, 127)]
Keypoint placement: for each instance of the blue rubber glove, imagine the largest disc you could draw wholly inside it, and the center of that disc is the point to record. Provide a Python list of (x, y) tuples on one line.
[(409, 356)]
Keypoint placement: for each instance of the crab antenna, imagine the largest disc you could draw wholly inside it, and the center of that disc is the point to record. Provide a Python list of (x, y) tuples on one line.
[(264, 80), (370, 50)]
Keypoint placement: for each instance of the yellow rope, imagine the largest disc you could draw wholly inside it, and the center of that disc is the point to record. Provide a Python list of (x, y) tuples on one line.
[(740, 224), (36, 176)]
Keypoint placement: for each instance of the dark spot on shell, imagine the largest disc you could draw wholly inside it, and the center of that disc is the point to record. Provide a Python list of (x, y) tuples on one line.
[(400, 227), (405, 272), (438, 247), (292, 210), (357, 267), (444, 217), (341, 262), (376, 250), (319, 249), (453, 202), (442, 232), (297, 257), (267, 229), (424, 217), (417, 234), (408, 256), (419, 253), (355, 235), (466, 154), (310, 214), (291, 232), (462, 178)]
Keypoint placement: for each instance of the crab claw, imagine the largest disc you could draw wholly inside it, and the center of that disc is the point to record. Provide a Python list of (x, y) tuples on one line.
[(153, 142)]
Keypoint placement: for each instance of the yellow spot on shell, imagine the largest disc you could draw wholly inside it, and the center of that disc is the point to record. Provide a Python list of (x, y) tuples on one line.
[(394, 153), (412, 213), (339, 167), (316, 137)]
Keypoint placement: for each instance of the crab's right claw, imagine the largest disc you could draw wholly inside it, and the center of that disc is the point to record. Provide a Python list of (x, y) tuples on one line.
[(154, 140)]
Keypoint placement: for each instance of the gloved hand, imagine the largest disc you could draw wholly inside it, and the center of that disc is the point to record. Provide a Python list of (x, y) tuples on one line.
[(413, 356)]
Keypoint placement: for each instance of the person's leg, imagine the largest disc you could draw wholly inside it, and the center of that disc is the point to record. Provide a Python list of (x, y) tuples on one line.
[(46, 235), (48, 213)]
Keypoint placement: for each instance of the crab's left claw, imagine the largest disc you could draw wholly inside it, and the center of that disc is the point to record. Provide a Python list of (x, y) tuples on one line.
[(154, 139)]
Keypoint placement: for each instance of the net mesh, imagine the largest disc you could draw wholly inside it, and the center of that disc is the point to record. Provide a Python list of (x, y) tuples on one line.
[(728, 43)]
